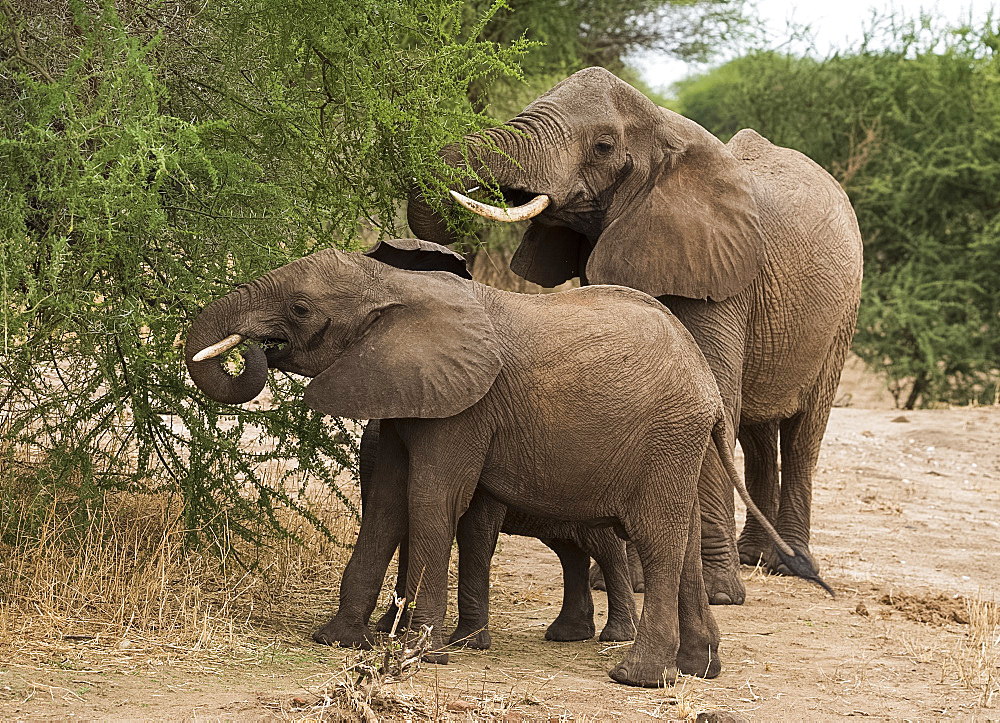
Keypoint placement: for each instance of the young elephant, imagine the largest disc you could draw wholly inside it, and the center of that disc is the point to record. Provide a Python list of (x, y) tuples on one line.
[(575, 543), (592, 405)]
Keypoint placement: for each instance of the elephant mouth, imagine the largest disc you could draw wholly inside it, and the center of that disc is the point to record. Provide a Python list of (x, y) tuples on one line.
[(516, 196), (275, 349)]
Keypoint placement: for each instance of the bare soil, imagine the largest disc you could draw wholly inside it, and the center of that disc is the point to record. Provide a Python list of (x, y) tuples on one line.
[(906, 526)]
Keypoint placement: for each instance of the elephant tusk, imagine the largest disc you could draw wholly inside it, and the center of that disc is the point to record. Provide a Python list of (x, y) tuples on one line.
[(221, 347), (518, 213)]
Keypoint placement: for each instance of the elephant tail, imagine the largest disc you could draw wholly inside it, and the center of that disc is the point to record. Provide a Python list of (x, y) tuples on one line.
[(791, 558)]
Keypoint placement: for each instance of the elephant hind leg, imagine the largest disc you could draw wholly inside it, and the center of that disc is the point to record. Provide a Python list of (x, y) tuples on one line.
[(652, 660), (800, 439), (760, 450), (699, 634), (659, 523)]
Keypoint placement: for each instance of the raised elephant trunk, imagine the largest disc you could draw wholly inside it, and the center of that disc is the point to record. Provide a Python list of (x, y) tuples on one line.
[(212, 328)]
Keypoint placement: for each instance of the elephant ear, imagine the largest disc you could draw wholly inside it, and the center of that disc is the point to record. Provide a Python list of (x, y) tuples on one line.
[(696, 233), (419, 255), (427, 349), (549, 255)]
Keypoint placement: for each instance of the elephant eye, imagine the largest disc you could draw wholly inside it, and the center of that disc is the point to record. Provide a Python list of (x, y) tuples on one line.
[(603, 148), (300, 309)]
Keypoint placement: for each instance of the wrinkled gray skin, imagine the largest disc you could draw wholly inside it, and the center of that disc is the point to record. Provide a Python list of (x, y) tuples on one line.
[(592, 406), (478, 528), (754, 247)]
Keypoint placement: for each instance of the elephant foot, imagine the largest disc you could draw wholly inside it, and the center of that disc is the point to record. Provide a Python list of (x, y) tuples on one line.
[(723, 584), (567, 629), (617, 631), (596, 577), (700, 660), (438, 657), (475, 638), (752, 557), (633, 671), (345, 634), (385, 623)]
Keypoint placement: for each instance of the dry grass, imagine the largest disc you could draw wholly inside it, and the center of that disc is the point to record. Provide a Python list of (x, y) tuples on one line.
[(119, 578), (977, 660)]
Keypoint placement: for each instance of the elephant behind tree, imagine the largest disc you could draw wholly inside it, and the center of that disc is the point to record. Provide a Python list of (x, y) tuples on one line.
[(754, 247), (478, 528), (453, 369)]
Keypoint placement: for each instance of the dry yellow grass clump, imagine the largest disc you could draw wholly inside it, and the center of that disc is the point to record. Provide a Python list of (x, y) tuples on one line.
[(978, 659), (118, 576)]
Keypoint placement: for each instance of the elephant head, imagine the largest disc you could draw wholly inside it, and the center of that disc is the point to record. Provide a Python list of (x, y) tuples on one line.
[(396, 332), (619, 190)]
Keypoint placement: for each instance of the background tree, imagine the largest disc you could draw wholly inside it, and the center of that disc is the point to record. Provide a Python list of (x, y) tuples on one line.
[(909, 123)]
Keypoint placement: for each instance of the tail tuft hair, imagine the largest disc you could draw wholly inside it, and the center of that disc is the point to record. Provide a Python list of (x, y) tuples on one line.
[(800, 566)]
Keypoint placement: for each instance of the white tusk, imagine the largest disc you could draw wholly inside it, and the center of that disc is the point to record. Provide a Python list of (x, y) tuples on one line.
[(218, 348), (519, 213)]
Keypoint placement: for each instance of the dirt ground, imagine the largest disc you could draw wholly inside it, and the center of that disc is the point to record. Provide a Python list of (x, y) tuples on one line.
[(906, 527)]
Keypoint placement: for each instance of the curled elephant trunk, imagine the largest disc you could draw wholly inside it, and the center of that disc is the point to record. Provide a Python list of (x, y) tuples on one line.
[(425, 222), (205, 350)]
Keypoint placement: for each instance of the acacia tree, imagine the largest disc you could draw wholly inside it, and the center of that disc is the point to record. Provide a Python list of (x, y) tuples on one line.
[(909, 123), (154, 155)]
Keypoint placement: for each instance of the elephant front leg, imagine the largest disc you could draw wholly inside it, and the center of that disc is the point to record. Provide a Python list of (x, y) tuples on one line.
[(478, 530), (393, 619), (610, 552), (383, 527), (444, 471), (719, 557), (634, 571)]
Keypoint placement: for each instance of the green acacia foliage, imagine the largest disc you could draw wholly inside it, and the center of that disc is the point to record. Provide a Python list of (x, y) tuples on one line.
[(155, 155), (909, 123)]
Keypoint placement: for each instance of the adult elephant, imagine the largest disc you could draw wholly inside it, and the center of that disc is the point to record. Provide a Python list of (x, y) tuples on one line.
[(754, 247)]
